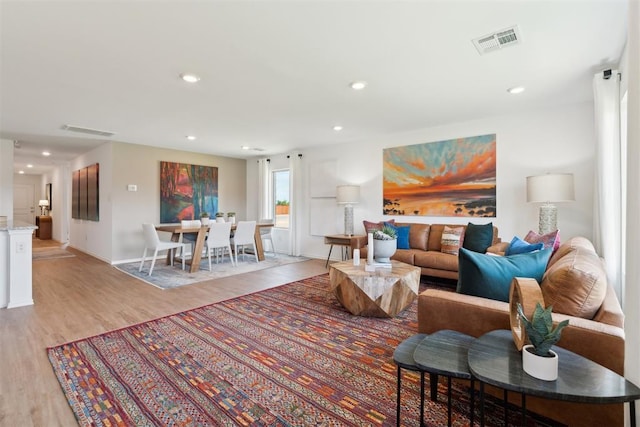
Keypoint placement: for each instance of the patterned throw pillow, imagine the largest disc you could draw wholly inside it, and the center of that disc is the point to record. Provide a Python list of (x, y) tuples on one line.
[(549, 240), (370, 227), (452, 237)]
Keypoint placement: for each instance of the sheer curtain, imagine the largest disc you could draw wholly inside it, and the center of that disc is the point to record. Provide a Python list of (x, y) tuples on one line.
[(607, 231), (264, 193)]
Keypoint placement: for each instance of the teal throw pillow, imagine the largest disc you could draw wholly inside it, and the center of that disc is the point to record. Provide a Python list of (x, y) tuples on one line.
[(402, 235), (478, 237), (490, 277), (519, 246)]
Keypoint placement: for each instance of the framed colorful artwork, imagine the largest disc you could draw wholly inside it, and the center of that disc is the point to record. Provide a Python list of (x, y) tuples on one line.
[(456, 177), (187, 191)]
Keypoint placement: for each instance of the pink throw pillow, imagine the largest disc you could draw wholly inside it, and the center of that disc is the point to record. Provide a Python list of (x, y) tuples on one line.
[(549, 240)]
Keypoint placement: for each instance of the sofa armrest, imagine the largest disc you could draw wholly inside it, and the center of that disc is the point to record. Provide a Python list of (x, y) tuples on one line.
[(475, 316), (499, 248)]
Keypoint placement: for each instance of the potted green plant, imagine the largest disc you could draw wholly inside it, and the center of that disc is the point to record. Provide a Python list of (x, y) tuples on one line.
[(538, 360), (231, 217), (204, 218), (219, 216), (385, 243)]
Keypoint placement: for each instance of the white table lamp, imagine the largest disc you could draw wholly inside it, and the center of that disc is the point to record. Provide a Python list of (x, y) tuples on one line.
[(348, 195), (44, 204), (547, 189)]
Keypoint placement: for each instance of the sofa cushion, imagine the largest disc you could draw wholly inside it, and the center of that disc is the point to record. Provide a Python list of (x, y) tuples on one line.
[(568, 246), (406, 256), (519, 246), (575, 284), (490, 276), (418, 234), (478, 237), (550, 240), (435, 260), (452, 238)]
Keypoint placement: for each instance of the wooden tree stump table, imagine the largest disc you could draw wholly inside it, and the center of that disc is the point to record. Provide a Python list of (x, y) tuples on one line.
[(384, 292)]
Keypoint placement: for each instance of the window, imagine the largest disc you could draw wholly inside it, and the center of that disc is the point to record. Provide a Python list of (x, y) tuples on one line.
[(281, 198)]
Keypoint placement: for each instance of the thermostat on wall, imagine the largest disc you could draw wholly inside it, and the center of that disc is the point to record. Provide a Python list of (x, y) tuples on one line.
[(132, 187)]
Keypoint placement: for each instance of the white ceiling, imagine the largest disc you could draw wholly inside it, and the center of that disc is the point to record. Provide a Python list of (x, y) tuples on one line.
[(276, 74)]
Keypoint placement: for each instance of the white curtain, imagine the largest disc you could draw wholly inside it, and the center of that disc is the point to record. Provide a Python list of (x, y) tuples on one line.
[(265, 186), (295, 190), (607, 235)]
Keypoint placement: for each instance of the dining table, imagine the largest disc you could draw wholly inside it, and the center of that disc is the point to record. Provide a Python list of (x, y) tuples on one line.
[(177, 230)]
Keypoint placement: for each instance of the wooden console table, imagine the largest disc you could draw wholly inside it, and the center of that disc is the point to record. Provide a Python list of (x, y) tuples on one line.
[(44, 223)]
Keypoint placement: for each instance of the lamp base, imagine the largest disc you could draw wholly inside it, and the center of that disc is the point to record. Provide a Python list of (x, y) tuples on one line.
[(548, 219), (348, 220)]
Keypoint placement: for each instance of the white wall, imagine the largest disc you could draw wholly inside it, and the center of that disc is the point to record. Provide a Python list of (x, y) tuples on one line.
[(140, 165), (531, 143)]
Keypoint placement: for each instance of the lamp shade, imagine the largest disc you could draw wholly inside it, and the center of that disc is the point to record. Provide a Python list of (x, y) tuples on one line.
[(43, 202), (347, 194), (550, 188)]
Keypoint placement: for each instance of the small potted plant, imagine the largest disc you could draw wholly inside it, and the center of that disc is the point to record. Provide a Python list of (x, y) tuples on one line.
[(219, 216), (385, 244), (538, 360), (204, 218), (231, 217)]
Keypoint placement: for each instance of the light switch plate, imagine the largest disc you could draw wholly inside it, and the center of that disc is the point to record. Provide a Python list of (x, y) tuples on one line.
[(132, 187)]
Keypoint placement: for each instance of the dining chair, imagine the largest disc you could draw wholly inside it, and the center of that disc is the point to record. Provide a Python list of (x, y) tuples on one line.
[(265, 235), (219, 240), (152, 242), (244, 235)]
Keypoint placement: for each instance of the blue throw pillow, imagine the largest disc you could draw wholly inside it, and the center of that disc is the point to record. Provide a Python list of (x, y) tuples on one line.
[(519, 246), (478, 237), (490, 277), (402, 235)]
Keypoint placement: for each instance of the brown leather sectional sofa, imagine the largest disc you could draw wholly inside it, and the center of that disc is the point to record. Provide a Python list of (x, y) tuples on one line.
[(574, 282), (425, 243)]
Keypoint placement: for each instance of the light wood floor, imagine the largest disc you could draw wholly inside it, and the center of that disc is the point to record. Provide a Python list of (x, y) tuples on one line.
[(82, 296)]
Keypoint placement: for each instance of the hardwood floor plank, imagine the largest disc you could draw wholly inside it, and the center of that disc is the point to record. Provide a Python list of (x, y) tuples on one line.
[(82, 296)]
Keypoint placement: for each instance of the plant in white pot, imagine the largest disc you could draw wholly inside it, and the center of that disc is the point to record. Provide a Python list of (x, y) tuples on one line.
[(204, 218), (538, 360), (385, 243), (219, 216), (231, 217)]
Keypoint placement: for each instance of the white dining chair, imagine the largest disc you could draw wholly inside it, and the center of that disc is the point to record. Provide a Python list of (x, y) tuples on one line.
[(219, 240), (265, 235), (152, 242), (244, 235)]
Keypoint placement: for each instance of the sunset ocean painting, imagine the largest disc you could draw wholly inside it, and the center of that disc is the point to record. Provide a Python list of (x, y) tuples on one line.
[(456, 177)]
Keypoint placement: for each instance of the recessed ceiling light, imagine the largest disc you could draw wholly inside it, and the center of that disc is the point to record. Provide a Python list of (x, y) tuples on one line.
[(21, 172), (244, 147), (516, 90), (191, 137), (46, 153), (337, 128), (358, 85), (29, 165), (189, 78)]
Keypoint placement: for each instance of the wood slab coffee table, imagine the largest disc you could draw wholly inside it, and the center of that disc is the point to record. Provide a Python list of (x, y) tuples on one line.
[(381, 293)]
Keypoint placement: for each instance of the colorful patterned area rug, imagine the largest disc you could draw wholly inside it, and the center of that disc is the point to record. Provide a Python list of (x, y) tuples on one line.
[(288, 356)]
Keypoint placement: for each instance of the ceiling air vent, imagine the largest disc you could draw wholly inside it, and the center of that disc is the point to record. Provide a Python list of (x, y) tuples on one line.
[(87, 130), (498, 40)]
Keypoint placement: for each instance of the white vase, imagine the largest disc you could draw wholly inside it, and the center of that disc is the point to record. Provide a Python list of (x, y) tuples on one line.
[(383, 250), (544, 368), (205, 220), (219, 219), (231, 219)]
